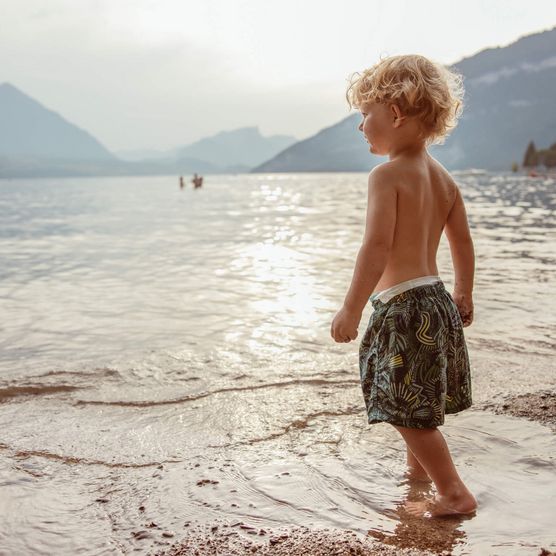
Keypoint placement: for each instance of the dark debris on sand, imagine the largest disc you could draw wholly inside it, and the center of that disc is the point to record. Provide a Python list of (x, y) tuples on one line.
[(239, 539), (537, 406)]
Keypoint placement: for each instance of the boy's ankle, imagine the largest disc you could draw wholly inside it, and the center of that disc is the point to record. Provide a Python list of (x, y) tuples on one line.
[(455, 491), (458, 495)]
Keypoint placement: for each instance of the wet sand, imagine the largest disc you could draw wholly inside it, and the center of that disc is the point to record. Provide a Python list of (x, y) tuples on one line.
[(240, 539), (536, 406), (414, 537)]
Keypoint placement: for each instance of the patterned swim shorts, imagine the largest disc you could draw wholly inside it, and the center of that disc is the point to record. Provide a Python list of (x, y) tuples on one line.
[(413, 360)]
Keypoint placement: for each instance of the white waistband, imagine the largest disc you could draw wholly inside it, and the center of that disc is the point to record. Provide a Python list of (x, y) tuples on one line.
[(386, 295)]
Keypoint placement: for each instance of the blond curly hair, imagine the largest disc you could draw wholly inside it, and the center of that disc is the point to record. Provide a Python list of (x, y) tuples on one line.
[(426, 90)]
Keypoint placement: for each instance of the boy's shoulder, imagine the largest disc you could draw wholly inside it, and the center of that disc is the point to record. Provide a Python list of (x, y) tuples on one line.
[(384, 174), (403, 165), (384, 168), (394, 170), (390, 169)]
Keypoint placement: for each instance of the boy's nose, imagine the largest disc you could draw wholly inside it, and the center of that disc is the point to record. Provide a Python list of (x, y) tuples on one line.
[(361, 126)]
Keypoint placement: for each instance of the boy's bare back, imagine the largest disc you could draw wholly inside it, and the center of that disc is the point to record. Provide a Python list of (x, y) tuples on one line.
[(428, 203)]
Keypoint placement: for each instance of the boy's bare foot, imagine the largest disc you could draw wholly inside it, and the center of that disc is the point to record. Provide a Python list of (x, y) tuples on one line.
[(440, 506)]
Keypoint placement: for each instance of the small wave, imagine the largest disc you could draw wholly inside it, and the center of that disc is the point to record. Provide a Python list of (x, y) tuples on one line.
[(103, 371), (9, 392), (194, 397), (303, 423), (82, 461)]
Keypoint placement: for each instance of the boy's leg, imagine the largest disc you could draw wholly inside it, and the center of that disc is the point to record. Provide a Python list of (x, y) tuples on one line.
[(431, 451), (415, 469)]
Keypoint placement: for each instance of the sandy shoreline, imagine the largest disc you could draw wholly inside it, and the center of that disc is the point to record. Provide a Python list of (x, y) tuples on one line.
[(412, 539), (538, 406)]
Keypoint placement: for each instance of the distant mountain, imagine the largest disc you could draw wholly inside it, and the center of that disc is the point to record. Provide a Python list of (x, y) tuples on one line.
[(237, 150), (244, 147), (134, 155), (36, 142), (337, 147), (28, 129), (510, 94)]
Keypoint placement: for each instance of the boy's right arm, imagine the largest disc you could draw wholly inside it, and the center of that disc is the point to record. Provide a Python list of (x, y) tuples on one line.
[(463, 258)]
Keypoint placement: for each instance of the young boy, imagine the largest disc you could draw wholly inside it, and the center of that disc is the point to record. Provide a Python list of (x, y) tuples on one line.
[(414, 364)]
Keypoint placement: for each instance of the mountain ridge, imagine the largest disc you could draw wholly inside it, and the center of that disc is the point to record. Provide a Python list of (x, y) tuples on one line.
[(31, 129), (508, 101)]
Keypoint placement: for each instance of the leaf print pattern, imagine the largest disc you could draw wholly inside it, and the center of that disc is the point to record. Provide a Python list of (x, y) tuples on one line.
[(413, 359)]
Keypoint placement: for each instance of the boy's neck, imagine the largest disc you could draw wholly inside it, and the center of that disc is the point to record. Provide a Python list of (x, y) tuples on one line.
[(413, 150)]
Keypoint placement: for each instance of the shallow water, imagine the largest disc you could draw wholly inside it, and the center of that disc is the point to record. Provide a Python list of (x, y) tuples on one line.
[(145, 327)]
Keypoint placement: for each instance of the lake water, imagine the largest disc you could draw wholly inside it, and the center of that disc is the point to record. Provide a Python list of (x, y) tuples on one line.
[(170, 350)]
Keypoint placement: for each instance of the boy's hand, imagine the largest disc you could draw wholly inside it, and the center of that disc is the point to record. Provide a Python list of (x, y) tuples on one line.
[(464, 303), (344, 325)]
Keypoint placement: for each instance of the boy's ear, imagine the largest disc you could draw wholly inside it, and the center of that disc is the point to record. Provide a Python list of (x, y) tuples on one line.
[(396, 112)]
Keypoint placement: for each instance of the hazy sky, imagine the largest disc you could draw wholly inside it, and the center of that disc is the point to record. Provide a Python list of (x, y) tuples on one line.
[(142, 74)]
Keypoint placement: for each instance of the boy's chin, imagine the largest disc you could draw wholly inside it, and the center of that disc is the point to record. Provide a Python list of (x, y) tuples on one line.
[(374, 151)]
